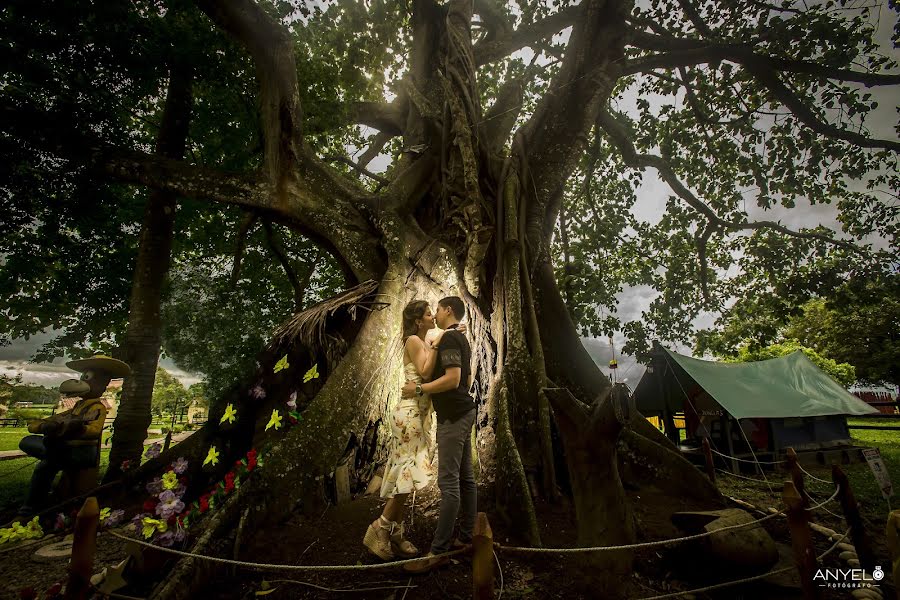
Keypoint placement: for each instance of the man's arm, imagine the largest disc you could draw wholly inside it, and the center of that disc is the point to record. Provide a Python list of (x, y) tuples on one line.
[(446, 382)]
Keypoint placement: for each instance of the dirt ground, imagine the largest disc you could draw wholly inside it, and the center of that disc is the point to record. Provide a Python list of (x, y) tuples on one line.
[(335, 538)]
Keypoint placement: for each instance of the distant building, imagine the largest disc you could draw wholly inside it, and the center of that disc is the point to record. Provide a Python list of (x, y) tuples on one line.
[(110, 399), (196, 413)]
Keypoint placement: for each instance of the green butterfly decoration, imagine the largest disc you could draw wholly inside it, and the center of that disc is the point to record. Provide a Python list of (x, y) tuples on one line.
[(282, 364), (313, 373)]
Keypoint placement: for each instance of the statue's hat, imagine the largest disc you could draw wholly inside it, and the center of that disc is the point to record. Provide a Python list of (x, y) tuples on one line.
[(114, 367)]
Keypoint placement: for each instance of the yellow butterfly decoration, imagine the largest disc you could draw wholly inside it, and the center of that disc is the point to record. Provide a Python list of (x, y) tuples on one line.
[(282, 364), (230, 414), (212, 457), (274, 421), (313, 373)]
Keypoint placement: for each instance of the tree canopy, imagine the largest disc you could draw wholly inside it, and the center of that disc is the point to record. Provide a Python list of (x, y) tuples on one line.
[(731, 105)]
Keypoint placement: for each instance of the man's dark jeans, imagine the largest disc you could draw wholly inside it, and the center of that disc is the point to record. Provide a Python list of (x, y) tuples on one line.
[(54, 457), (456, 480)]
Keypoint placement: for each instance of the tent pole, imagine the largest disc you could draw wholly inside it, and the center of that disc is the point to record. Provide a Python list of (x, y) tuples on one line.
[(734, 465)]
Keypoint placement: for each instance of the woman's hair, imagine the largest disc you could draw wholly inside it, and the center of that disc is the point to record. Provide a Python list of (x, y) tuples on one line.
[(414, 311)]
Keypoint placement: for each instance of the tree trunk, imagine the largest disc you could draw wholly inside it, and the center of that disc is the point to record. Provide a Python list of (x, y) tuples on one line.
[(143, 334)]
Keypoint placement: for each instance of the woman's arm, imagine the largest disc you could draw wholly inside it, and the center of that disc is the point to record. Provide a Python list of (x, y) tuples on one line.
[(422, 357)]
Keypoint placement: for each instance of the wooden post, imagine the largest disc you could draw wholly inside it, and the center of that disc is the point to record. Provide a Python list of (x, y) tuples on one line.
[(893, 541), (168, 441), (801, 539), (796, 475), (483, 559), (710, 468), (854, 520), (83, 547)]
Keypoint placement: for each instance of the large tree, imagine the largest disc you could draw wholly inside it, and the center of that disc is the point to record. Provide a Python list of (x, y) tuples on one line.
[(492, 109)]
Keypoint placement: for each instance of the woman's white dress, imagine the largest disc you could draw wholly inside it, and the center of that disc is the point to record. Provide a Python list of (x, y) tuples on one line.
[(409, 464)]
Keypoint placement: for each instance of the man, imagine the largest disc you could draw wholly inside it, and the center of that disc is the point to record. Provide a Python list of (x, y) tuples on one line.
[(455, 411), (70, 440)]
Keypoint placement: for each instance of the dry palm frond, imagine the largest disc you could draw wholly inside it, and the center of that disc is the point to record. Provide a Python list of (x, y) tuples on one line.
[(309, 327)]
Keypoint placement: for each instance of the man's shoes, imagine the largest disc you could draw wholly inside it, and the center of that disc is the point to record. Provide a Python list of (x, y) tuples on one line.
[(458, 544), (427, 563)]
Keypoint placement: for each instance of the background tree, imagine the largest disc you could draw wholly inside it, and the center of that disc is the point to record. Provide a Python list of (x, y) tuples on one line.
[(728, 104), (169, 394), (855, 323)]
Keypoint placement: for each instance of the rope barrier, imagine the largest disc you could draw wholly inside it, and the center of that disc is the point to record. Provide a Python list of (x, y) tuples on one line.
[(276, 567), (813, 477), (524, 549), (746, 579), (755, 462), (640, 545), (837, 490)]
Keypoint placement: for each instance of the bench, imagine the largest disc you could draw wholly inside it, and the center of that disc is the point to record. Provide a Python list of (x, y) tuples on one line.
[(9, 422)]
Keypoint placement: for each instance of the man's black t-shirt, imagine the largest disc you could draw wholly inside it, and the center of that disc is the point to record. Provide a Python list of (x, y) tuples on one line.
[(453, 351)]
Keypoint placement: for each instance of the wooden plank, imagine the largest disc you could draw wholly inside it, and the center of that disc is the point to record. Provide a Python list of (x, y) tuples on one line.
[(342, 483), (84, 546), (483, 559), (854, 521)]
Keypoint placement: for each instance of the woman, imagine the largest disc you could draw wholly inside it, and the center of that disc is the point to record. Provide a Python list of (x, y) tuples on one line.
[(408, 467)]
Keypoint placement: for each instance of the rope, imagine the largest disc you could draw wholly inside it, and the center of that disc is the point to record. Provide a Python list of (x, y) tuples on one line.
[(753, 479), (276, 567), (499, 570), (746, 579), (758, 462), (640, 545), (813, 477), (837, 490)]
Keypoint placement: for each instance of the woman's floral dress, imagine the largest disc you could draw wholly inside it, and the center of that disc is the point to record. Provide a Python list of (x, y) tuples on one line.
[(409, 465)]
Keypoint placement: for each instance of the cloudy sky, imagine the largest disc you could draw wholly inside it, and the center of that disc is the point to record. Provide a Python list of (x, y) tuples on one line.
[(652, 196)]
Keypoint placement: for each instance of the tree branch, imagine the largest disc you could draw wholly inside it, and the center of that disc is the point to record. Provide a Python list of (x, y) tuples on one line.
[(494, 19), (240, 245), (557, 131), (345, 160), (681, 52), (805, 115), (619, 136), (501, 117), (272, 50), (387, 117), (490, 50), (374, 148), (285, 262)]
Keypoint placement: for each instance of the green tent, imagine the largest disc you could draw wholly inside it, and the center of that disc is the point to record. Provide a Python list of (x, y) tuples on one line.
[(788, 386), (767, 405)]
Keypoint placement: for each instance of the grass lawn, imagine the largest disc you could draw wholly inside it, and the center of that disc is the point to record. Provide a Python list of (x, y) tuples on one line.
[(10, 436), (15, 475)]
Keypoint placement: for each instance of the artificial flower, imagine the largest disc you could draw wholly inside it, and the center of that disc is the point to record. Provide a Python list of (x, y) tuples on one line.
[(165, 539), (153, 450), (212, 457), (151, 526), (282, 364), (274, 420), (113, 518), (258, 392), (313, 373), (169, 480), (126, 464), (155, 486), (292, 400), (104, 513), (169, 505), (230, 414), (180, 465), (150, 504)]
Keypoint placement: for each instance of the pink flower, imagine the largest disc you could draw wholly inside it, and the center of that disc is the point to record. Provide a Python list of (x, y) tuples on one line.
[(169, 504), (180, 465)]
